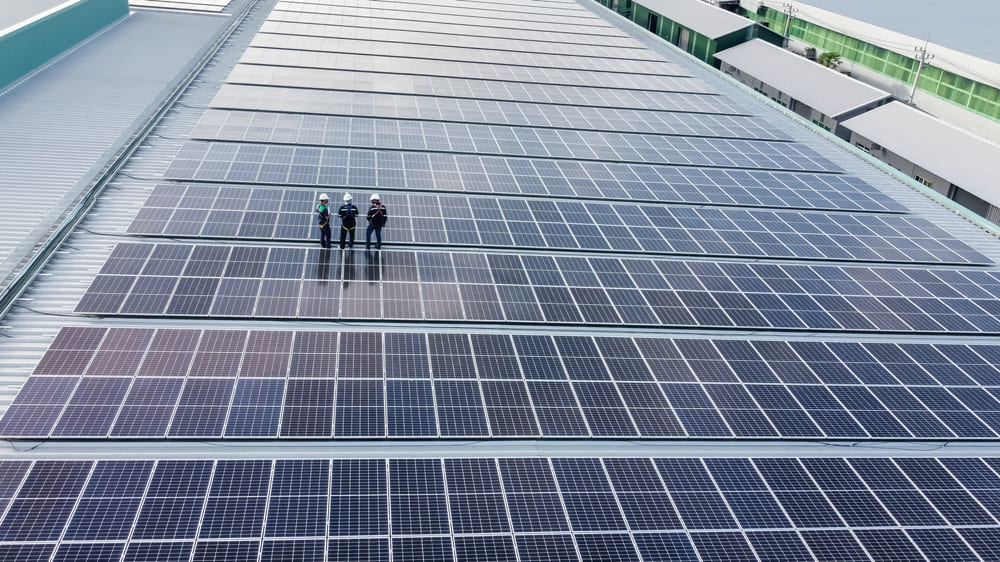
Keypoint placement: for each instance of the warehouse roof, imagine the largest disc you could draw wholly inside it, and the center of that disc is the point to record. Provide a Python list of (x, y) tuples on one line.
[(16, 13), (705, 19), (821, 88), (962, 158)]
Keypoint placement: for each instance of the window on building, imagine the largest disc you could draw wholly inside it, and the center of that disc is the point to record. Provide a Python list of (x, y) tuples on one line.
[(820, 124), (928, 183), (653, 23), (863, 147)]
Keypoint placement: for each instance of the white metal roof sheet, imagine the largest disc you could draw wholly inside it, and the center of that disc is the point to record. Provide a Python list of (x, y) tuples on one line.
[(708, 20), (821, 88), (61, 125), (963, 159)]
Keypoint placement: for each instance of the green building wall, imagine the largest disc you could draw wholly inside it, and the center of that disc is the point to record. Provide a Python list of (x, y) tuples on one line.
[(967, 93), (700, 46), (31, 46)]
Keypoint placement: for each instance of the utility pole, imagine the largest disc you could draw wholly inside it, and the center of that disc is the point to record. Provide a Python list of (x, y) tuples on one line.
[(923, 56), (790, 10)]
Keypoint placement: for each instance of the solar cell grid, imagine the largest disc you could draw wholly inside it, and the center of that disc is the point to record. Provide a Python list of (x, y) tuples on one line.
[(527, 12), (316, 111), (481, 37), (569, 386), (440, 171), (527, 483), (775, 303), (481, 139), (410, 64)]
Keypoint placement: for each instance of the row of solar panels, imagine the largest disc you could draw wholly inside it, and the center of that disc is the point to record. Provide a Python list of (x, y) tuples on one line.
[(131, 383), (285, 214), (144, 352), (465, 52), (411, 64), (223, 281), (377, 82), (501, 140), (529, 25), (530, 16), (285, 112), (333, 167), (486, 38), (215, 408), (459, 47), (531, 509)]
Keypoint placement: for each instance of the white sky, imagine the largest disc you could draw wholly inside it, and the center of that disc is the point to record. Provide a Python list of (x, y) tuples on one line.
[(969, 26)]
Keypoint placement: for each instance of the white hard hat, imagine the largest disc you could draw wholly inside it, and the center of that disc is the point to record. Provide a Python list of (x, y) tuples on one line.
[(375, 197), (347, 197), (324, 197)]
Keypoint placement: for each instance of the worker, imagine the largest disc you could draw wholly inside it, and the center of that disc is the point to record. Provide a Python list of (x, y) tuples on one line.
[(377, 216), (348, 220), (324, 221)]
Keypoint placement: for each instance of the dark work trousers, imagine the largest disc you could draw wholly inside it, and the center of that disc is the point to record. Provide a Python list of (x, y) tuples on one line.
[(368, 236), (325, 236), (343, 236)]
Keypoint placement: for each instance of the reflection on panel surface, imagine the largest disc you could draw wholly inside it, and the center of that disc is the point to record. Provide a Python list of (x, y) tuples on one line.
[(128, 383), (263, 282), (275, 214), (462, 509)]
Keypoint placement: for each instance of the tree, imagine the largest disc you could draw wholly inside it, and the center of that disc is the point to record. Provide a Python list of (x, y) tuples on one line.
[(829, 59)]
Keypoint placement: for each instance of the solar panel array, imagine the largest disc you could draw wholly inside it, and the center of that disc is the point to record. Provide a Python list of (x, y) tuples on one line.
[(265, 282), (155, 383), (528, 509), (276, 214), (310, 124), (309, 166), (550, 181)]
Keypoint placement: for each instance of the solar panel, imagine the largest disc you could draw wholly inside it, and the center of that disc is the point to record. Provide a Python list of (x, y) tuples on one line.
[(591, 226), (469, 48), (586, 513), (212, 161), (412, 65), (677, 293), (434, 33), (286, 107), (545, 144), (429, 385), (527, 16)]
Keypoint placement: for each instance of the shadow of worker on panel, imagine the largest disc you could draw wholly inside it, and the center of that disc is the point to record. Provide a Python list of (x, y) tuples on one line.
[(323, 267), (320, 290), (373, 266)]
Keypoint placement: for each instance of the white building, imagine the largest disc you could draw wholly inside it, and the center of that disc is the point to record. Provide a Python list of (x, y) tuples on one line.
[(952, 162)]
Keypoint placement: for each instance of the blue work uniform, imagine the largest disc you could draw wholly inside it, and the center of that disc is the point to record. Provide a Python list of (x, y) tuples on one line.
[(348, 222), (325, 234)]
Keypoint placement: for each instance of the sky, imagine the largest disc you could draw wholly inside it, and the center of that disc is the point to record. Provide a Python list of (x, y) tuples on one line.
[(969, 26)]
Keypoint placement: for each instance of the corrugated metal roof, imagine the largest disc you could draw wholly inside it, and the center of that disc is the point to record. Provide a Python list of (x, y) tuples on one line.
[(821, 88), (708, 20), (62, 125), (963, 159)]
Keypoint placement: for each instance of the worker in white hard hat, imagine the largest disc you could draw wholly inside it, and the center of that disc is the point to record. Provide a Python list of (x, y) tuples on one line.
[(348, 220), (377, 216), (323, 211)]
